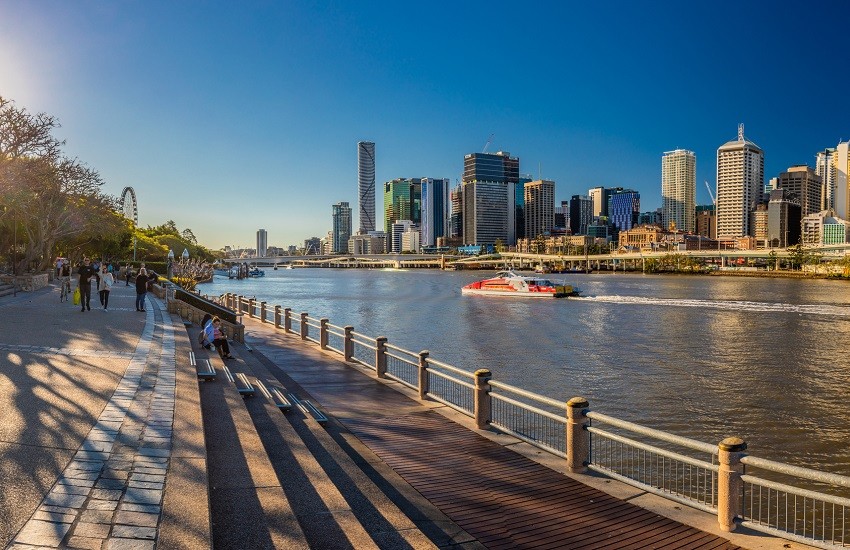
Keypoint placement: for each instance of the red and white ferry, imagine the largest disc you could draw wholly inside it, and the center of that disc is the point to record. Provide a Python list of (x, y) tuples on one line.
[(508, 283)]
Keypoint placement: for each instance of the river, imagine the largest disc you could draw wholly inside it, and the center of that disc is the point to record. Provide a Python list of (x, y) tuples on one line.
[(703, 357)]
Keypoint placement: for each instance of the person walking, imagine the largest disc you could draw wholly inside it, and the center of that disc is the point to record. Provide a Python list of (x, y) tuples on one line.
[(141, 288), (127, 271), (86, 272), (104, 285)]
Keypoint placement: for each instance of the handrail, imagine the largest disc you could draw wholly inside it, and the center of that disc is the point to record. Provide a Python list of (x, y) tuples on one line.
[(657, 434), (528, 394), (797, 471)]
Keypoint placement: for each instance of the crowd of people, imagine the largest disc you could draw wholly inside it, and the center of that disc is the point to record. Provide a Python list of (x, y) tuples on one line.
[(104, 275)]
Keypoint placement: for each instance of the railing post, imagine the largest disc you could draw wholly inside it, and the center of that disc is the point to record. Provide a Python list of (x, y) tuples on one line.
[(423, 374), (578, 447), (251, 307), (276, 316), (729, 483), (303, 326), (323, 333), (348, 347), (239, 304), (262, 312), (482, 407), (287, 320), (381, 356)]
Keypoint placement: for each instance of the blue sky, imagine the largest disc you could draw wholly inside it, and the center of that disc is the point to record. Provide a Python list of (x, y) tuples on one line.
[(227, 117)]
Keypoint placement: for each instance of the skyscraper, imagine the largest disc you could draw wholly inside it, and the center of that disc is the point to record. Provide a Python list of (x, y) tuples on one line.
[(436, 218), (678, 189), (489, 187), (402, 201), (581, 214), (802, 186), (841, 162), (262, 243), (825, 168), (341, 231), (539, 208), (740, 181), (597, 198), (366, 185), (624, 209)]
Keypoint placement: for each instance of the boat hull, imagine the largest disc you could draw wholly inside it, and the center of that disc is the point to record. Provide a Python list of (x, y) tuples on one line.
[(509, 294)]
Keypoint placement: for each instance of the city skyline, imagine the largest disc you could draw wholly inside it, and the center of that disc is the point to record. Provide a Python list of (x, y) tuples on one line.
[(260, 106)]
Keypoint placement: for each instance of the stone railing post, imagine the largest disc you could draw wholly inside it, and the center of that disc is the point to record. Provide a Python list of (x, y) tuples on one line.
[(287, 320), (729, 483), (251, 307), (482, 407), (423, 374), (263, 312), (348, 347), (381, 356), (276, 316), (239, 304), (323, 333), (304, 328), (578, 446)]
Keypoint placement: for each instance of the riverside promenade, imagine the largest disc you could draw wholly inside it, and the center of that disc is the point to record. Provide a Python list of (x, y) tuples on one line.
[(108, 440)]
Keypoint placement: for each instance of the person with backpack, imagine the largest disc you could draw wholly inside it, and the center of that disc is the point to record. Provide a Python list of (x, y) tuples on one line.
[(86, 273)]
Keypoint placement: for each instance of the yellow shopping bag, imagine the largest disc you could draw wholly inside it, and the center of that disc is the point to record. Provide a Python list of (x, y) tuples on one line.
[(77, 296)]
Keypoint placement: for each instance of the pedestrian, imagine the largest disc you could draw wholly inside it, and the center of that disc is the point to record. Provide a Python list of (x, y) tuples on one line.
[(104, 286), (141, 289), (214, 334), (86, 273), (127, 274)]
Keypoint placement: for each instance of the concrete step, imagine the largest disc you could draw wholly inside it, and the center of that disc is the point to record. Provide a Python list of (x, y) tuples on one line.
[(6, 290)]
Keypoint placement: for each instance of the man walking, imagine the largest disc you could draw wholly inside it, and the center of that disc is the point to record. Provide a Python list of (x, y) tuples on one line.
[(86, 273)]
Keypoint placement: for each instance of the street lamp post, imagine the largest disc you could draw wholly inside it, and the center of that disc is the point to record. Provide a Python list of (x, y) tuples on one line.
[(170, 267)]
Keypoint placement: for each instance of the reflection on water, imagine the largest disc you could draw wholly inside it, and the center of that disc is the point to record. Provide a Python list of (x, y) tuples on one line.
[(703, 357)]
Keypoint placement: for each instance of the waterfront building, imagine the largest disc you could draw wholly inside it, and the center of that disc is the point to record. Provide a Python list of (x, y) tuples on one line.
[(519, 206), (341, 231), (653, 217), (581, 214), (644, 237), (759, 223), (825, 228), (562, 216), (436, 217), (599, 204), (402, 201), (539, 199), (395, 233), (783, 220), (410, 241), (771, 185), (706, 221), (740, 183), (457, 213), (841, 164), (489, 191), (623, 208), (366, 185), (313, 245), (374, 242), (802, 185), (825, 162), (262, 243), (679, 189)]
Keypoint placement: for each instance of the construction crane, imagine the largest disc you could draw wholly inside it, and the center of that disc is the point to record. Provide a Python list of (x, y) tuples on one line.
[(486, 145), (710, 194)]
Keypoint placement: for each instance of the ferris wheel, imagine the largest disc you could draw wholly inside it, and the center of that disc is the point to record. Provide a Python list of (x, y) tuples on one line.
[(129, 205)]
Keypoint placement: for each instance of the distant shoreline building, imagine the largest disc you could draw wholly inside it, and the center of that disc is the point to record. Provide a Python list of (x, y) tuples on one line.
[(539, 199), (740, 184), (489, 188), (678, 189), (262, 243), (436, 210), (366, 185), (341, 231)]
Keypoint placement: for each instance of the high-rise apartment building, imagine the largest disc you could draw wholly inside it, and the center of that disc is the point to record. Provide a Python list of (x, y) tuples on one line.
[(624, 209), (740, 181), (457, 212), (841, 163), (539, 202), (825, 168), (402, 201), (489, 187), (366, 185), (262, 243), (678, 189), (341, 231), (803, 186), (436, 211)]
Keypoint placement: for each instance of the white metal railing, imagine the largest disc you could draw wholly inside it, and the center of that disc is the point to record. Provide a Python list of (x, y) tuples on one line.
[(712, 478)]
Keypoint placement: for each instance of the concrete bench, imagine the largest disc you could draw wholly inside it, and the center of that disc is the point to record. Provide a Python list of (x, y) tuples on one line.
[(309, 409), (275, 396), (205, 372), (241, 382)]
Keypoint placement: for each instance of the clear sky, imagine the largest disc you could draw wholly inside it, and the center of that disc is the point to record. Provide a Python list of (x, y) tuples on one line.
[(231, 116)]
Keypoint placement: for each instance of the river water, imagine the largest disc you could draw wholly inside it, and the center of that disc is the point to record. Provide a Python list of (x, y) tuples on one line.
[(703, 357)]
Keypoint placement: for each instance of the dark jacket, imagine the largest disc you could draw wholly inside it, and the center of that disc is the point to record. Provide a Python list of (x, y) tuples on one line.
[(86, 273), (141, 283)]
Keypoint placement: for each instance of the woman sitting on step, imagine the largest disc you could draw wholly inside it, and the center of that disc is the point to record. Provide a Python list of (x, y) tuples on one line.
[(213, 333)]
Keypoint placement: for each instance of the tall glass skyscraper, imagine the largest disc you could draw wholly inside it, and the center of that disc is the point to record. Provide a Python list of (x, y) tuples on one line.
[(624, 209), (402, 201), (366, 185), (436, 219), (489, 187), (341, 227), (262, 243), (679, 189)]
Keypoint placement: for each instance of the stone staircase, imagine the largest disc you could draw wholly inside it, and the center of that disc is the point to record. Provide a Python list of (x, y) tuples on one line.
[(6, 290)]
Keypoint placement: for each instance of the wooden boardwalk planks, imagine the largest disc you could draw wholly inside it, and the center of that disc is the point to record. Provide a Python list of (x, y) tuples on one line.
[(508, 501)]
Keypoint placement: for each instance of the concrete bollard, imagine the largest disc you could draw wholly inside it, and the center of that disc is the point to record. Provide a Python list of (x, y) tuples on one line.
[(578, 446), (348, 347), (287, 320), (262, 312), (423, 384), (323, 333), (381, 356), (729, 483), (251, 307), (482, 408), (276, 316), (304, 328)]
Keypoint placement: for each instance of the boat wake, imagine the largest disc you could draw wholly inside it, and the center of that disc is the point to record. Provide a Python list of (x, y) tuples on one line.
[(727, 305)]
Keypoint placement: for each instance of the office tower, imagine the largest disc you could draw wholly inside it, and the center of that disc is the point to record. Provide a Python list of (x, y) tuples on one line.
[(581, 214), (341, 231), (678, 189), (366, 185), (803, 186), (825, 228), (539, 202), (841, 163), (262, 243), (562, 215), (783, 220), (519, 206), (706, 221), (599, 206), (457, 212), (740, 181), (396, 230), (436, 217), (489, 187), (402, 201), (624, 209), (825, 168)]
